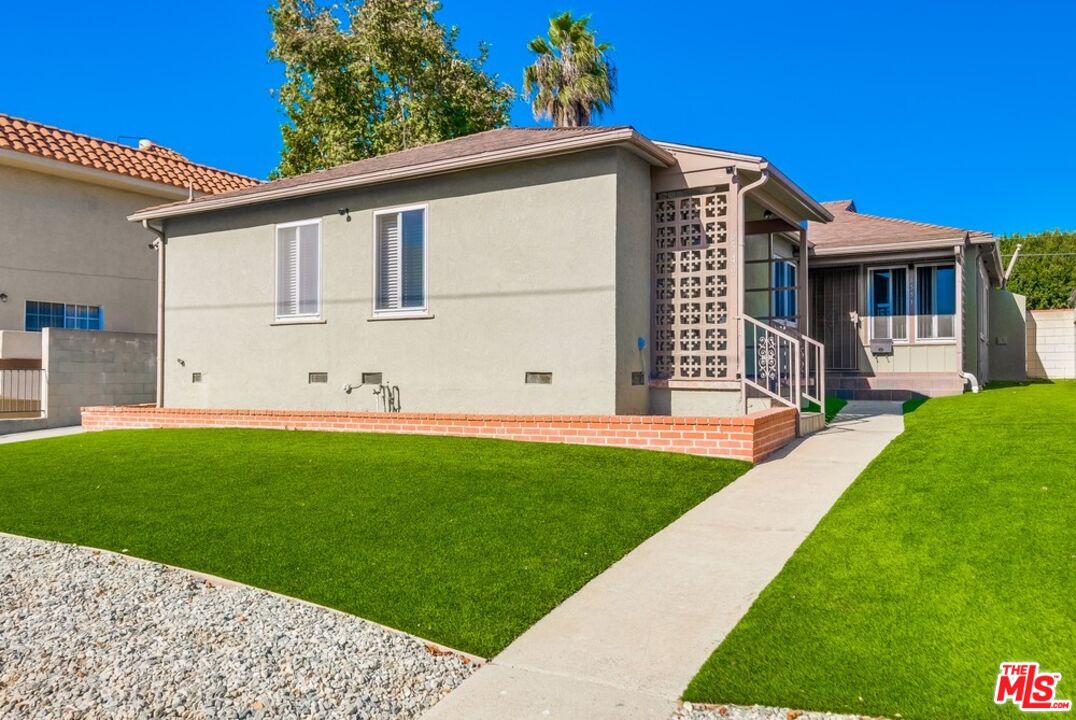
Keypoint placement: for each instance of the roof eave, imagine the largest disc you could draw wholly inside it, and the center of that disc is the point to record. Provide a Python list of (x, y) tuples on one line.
[(815, 209), (93, 176), (625, 137)]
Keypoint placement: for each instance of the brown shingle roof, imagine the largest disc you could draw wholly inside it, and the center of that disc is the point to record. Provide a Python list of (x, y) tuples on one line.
[(851, 229), (489, 144), (153, 163)]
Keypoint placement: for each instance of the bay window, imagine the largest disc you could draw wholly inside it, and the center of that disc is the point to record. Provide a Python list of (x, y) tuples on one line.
[(935, 302), (888, 303)]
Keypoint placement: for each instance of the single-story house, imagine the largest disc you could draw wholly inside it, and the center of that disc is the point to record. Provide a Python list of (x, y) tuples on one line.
[(68, 257), (559, 270), (904, 308), (518, 271)]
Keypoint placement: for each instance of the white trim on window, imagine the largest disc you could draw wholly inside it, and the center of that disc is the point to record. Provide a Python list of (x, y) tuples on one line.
[(907, 339), (402, 313), (296, 317), (934, 339)]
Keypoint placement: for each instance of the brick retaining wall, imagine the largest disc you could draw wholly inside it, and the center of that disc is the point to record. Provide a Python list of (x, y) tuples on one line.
[(749, 437)]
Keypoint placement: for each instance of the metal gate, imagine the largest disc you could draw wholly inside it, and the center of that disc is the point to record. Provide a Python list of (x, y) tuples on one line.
[(836, 305), (20, 393)]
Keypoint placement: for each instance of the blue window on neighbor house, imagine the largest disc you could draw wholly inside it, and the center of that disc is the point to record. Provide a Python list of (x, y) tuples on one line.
[(61, 315), (785, 303)]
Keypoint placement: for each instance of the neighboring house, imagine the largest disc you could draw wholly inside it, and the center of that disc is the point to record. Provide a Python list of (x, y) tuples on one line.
[(68, 257), (904, 308), (575, 270)]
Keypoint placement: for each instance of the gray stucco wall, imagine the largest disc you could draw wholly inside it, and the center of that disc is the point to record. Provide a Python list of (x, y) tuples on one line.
[(68, 241), (1008, 336), (523, 276), (95, 368), (634, 267)]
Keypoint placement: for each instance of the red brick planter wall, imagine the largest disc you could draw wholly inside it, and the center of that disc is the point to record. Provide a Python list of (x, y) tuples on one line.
[(749, 437)]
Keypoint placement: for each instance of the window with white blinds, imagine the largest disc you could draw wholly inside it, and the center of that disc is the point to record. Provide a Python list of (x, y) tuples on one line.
[(298, 270), (400, 261)]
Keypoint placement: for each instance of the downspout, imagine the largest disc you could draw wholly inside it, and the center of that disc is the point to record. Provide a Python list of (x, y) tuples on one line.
[(741, 249), (159, 245)]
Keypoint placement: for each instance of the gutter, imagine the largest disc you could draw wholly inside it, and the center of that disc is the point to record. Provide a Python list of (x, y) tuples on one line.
[(822, 250), (621, 136), (741, 248), (160, 244)]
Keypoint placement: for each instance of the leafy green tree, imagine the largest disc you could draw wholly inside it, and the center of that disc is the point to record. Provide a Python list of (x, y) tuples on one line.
[(572, 78), (1046, 270), (363, 79)]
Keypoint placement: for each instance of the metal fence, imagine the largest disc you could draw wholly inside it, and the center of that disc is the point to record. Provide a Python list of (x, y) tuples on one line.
[(20, 393)]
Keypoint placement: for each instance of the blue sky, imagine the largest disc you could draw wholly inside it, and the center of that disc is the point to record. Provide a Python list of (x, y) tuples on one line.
[(959, 113)]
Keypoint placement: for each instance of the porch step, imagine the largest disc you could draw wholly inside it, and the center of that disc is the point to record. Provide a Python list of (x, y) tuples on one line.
[(893, 386), (811, 422)]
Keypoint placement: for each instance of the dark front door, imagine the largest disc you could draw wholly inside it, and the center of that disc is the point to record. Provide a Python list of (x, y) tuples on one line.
[(836, 302)]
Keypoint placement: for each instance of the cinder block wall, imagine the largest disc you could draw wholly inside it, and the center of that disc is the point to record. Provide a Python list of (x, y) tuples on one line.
[(1051, 344), (84, 367)]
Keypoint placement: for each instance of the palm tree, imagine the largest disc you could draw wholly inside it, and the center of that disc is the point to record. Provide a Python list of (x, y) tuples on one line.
[(572, 79)]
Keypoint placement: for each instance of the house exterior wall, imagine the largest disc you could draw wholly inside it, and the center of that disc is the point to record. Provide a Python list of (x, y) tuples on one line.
[(67, 241), (634, 278), (1051, 344), (522, 274)]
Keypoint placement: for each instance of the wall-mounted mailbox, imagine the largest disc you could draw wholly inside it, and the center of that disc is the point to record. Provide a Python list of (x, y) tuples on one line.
[(881, 347)]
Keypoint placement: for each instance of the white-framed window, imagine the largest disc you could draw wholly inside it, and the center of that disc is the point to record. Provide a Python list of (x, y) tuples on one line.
[(400, 252), (935, 301), (298, 271), (887, 301), (785, 303)]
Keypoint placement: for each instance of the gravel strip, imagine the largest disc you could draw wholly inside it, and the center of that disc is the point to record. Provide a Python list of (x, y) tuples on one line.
[(755, 712), (86, 634)]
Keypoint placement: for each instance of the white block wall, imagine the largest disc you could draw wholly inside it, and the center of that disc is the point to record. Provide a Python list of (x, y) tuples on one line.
[(1051, 344)]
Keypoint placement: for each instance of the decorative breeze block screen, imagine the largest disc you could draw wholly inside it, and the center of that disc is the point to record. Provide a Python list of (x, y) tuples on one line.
[(692, 258)]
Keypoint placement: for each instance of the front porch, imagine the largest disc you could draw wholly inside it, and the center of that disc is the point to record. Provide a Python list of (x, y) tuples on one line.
[(731, 309)]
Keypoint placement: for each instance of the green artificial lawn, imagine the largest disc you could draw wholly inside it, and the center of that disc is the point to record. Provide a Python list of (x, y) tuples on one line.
[(954, 551), (833, 406), (462, 541)]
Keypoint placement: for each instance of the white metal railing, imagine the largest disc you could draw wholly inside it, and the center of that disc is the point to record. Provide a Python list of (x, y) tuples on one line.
[(772, 362), (787, 365), (814, 371)]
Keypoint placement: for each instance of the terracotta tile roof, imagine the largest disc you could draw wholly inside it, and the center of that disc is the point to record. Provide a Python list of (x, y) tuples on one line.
[(851, 229), (151, 162), (469, 146)]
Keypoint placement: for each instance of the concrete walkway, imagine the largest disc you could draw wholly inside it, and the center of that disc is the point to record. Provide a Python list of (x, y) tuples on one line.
[(39, 434), (627, 644)]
